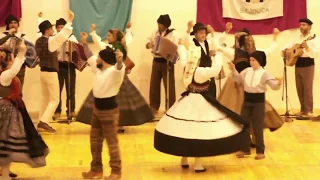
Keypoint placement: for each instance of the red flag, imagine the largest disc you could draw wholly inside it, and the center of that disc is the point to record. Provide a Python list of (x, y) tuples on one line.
[(210, 12)]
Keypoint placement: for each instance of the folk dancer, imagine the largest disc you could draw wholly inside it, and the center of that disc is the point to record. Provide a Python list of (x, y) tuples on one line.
[(46, 47), (304, 68), (19, 140), (207, 44), (109, 73), (64, 68), (255, 80), (133, 108), (159, 65), (239, 55), (216, 129)]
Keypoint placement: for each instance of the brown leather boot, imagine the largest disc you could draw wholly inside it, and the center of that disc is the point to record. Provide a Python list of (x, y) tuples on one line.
[(260, 156), (113, 177), (92, 175), (241, 154)]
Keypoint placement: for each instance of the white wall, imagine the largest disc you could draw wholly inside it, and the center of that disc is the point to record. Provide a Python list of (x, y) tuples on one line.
[(144, 16)]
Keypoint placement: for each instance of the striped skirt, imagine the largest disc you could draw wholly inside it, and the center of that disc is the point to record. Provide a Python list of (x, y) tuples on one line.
[(19, 140), (133, 108)]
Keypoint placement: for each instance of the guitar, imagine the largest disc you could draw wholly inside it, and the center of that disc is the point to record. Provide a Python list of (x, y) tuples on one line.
[(292, 54)]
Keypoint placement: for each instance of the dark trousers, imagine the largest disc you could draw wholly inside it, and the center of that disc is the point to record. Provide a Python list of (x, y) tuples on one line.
[(104, 126), (21, 75), (159, 71), (64, 79), (255, 113), (304, 84)]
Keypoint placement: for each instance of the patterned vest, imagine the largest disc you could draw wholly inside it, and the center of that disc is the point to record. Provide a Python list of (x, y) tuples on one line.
[(47, 59)]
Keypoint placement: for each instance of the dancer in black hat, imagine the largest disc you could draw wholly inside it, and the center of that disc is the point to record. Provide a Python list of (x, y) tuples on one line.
[(46, 47), (255, 79), (200, 32)]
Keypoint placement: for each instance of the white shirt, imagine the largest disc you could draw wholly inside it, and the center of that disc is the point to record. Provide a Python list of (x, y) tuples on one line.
[(106, 83), (313, 44), (7, 75), (172, 36), (255, 81)]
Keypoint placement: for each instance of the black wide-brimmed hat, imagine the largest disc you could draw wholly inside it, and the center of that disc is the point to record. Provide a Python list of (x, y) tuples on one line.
[(197, 27), (45, 25)]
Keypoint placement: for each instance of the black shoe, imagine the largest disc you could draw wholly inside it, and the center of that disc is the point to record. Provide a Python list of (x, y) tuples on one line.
[(186, 166), (200, 171), (44, 127), (252, 145), (303, 118), (13, 175), (121, 130)]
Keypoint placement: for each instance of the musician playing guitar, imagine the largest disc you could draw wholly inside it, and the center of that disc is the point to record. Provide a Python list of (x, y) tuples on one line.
[(7, 39), (159, 65), (304, 67)]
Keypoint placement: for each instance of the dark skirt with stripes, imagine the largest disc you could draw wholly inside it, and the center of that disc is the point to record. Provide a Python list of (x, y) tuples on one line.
[(19, 140), (134, 109)]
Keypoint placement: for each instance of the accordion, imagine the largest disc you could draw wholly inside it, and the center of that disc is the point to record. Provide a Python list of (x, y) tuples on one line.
[(79, 59), (166, 49), (32, 60)]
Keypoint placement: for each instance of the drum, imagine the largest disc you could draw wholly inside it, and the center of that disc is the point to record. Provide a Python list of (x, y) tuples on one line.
[(166, 49)]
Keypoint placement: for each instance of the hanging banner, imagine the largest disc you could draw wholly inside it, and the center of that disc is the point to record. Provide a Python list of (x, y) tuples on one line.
[(252, 9)]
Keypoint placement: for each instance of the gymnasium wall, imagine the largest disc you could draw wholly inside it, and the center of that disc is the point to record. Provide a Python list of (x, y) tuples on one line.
[(144, 16)]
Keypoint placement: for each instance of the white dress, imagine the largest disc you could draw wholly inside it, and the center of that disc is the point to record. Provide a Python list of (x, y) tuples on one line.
[(197, 125)]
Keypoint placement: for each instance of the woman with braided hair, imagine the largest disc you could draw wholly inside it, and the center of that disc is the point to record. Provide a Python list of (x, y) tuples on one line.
[(134, 109)]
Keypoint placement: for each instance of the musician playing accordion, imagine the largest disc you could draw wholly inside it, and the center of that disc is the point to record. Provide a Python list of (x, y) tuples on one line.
[(159, 65), (9, 40)]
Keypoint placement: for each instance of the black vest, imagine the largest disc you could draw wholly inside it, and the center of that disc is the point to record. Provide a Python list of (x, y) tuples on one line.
[(205, 61)]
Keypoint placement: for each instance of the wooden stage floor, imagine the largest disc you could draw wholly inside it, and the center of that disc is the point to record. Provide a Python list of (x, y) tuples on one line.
[(292, 153)]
